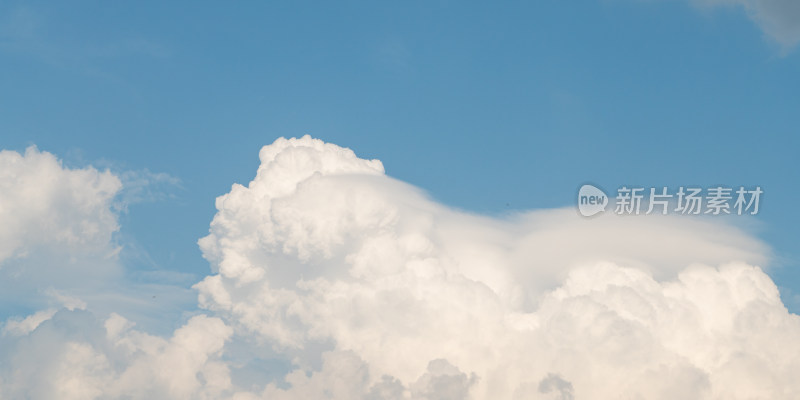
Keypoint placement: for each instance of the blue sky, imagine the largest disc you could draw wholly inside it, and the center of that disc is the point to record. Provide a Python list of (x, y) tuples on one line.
[(487, 107), (491, 108)]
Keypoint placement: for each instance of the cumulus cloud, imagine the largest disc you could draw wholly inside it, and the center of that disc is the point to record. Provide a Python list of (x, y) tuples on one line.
[(46, 206), (74, 355), (370, 290), (780, 19), (58, 244), (323, 249), (56, 227)]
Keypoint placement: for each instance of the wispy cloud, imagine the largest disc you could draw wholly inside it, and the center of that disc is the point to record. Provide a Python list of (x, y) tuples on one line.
[(143, 186), (34, 33), (779, 19)]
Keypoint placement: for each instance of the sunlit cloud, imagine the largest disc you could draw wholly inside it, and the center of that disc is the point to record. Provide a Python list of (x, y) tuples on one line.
[(368, 289)]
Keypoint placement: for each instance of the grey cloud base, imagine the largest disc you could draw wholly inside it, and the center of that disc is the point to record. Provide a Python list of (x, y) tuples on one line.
[(370, 290)]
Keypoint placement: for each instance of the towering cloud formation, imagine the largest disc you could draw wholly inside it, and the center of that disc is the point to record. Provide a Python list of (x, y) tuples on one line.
[(322, 250), (370, 290)]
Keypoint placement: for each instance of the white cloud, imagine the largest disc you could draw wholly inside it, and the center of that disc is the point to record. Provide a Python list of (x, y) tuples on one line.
[(323, 248), (73, 355), (373, 291), (56, 228), (345, 376), (780, 19), (58, 244), (144, 186), (17, 326), (44, 205), (66, 301)]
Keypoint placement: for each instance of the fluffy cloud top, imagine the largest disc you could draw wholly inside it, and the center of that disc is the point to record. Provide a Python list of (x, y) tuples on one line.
[(323, 249), (370, 290)]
